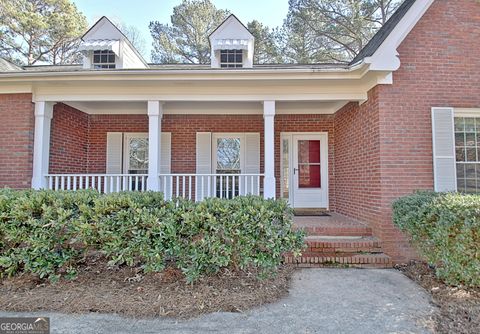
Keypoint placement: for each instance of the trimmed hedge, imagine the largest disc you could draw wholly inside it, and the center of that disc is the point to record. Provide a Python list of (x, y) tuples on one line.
[(445, 228), (48, 233)]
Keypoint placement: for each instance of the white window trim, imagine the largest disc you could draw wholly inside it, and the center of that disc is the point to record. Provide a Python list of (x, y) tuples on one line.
[(126, 137), (94, 64), (216, 136), (466, 112)]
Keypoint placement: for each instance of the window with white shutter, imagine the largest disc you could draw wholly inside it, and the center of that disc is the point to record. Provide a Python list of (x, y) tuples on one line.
[(128, 153)]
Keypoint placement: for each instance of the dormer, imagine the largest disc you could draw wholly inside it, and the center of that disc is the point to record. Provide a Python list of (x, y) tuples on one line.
[(104, 46), (231, 45)]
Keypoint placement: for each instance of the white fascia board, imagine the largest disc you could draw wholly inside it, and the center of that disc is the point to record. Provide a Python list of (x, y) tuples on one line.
[(163, 75), (386, 56)]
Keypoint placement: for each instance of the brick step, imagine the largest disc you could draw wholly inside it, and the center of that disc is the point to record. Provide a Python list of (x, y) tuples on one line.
[(337, 231), (354, 261), (333, 245)]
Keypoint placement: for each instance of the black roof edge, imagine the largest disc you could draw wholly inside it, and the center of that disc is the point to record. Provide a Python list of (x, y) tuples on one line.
[(382, 34)]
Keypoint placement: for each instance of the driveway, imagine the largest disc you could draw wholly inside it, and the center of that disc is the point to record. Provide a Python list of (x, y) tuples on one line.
[(320, 301)]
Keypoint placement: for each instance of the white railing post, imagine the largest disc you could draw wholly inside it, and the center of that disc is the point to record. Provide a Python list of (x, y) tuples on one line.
[(155, 113), (41, 144), (269, 155)]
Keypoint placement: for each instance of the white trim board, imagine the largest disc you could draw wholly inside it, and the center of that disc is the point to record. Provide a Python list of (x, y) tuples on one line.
[(466, 112)]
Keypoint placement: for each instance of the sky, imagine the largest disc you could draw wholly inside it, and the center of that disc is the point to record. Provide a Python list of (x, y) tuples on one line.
[(139, 13)]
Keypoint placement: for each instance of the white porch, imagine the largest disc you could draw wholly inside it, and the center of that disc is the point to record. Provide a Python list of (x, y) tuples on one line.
[(193, 186)]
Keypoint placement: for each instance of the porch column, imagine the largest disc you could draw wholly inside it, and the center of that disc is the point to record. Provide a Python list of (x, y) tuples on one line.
[(155, 113), (269, 155), (41, 144)]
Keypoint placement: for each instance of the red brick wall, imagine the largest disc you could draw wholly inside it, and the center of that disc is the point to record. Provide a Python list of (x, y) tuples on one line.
[(16, 140), (308, 123), (185, 127), (440, 65), (68, 140), (97, 140), (357, 162), (439, 68)]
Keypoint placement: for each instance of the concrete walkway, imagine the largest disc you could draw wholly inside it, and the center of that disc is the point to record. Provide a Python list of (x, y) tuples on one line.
[(320, 301)]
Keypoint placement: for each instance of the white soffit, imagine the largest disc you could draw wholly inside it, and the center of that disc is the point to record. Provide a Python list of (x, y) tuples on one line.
[(208, 108)]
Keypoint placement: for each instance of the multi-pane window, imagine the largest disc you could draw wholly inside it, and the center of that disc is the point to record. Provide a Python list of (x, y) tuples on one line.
[(103, 59), (467, 148), (231, 58)]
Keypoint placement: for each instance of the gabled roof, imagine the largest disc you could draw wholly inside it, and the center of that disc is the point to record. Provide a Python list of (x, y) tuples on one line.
[(106, 30), (6, 66), (97, 28), (230, 19), (383, 32)]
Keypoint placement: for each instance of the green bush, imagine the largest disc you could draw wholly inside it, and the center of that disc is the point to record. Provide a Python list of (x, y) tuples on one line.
[(49, 233), (445, 228)]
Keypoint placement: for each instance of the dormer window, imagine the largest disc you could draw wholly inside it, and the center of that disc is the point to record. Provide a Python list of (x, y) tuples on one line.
[(103, 59), (231, 58)]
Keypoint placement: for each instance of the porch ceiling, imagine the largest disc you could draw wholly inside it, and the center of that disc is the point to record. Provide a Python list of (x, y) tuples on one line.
[(208, 108)]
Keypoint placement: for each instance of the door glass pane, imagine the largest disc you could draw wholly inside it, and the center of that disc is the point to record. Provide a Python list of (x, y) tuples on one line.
[(285, 169), (309, 151), (228, 154), (138, 155), (309, 164), (309, 176), (228, 162)]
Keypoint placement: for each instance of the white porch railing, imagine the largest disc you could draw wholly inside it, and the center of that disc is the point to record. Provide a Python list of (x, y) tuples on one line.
[(189, 186), (104, 183), (200, 186)]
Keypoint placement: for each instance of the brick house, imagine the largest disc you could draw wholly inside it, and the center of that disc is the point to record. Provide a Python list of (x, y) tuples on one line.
[(404, 115)]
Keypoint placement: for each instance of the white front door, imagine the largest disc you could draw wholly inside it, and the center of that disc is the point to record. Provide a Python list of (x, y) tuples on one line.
[(309, 173)]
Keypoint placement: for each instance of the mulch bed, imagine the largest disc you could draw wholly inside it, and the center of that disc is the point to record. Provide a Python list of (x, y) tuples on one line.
[(128, 292), (458, 308)]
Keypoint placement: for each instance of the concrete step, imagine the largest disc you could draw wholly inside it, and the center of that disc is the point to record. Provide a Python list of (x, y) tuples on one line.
[(346, 231), (355, 261), (334, 225), (334, 245)]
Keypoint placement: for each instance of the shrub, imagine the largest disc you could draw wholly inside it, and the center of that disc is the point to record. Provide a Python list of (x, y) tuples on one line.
[(49, 233), (39, 231), (240, 232), (445, 228)]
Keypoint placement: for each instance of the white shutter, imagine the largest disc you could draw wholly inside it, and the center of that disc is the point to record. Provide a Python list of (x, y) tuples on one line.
[(166, 164), (114, 152), (204, 162), (165, 153), (249, 185), (444, 149)]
